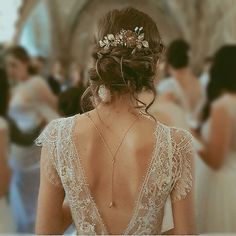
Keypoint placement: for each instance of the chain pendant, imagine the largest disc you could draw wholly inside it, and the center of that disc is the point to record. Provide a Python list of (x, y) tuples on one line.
[(113, 155), (112, 204)]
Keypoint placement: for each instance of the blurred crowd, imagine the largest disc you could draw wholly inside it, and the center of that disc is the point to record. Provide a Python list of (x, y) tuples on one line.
[(33, 92)]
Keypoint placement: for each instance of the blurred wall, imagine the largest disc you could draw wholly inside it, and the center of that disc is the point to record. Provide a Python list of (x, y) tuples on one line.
[(36, 34), (205, 24)]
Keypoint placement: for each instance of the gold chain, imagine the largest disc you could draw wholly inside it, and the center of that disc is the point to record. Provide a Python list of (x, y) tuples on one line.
[(112, 203)]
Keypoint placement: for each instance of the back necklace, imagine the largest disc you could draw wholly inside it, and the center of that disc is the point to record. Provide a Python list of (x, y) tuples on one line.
[(113, 155)]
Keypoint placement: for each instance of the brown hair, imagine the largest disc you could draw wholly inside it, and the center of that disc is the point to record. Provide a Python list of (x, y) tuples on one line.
[(21, 54), (120, 70)]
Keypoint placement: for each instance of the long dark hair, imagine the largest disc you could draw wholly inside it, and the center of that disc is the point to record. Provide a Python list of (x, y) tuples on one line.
[(222, 76), (121, 71), (4, 93)]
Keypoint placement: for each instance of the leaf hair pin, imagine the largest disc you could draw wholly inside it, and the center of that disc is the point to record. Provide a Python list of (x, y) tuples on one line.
[(126, 38)]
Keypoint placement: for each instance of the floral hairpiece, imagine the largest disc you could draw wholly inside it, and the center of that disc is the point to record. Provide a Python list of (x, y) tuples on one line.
[(126, 38)]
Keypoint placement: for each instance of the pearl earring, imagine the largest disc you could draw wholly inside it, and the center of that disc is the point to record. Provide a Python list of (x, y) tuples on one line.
[(104, 94)]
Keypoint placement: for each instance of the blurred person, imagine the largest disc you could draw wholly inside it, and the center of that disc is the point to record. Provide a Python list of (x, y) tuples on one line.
[(167, 112), (182, 88), (16, 135), (9, 132), (69, 100), (31, 104), (57, 79), (104, 160), (218, 208)]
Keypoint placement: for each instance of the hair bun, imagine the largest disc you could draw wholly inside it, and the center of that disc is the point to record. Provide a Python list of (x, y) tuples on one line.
[(123, 67)]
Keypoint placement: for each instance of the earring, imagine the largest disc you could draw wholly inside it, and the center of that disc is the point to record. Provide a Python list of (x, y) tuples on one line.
[(104, 94)]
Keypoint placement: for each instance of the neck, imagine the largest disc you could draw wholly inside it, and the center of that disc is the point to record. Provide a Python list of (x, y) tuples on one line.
[(119, 106)]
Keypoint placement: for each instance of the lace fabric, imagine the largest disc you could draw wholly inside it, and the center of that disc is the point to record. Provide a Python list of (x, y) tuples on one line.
[(169, 174)]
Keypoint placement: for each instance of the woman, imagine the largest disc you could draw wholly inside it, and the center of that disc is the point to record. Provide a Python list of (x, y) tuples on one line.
[(69, 100), (31, 104), (183, 88), (117, 176), (219, 133)]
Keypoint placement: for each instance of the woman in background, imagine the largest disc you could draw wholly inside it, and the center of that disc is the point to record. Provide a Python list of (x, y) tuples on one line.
[(9, 132), (69, 100), (217, 205), (31, 104), (182, 88)]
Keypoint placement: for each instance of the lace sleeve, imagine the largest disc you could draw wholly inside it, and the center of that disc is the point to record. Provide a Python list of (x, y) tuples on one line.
[(183, 157), (47, 140)]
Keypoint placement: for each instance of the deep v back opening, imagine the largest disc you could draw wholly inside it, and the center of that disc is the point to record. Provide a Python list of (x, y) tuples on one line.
[(140, 188)]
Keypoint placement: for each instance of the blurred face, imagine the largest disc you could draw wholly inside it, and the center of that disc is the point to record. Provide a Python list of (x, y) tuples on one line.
[(16, 69)]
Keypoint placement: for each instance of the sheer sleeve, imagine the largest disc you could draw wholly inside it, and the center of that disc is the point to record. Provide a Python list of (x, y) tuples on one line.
[(49, 158), (183, 157)]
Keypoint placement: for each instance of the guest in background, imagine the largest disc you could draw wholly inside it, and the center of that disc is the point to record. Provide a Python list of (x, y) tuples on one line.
[(69, 100), (31, 104), (9, 132), (57, 79), (218, 208), (183, 88)]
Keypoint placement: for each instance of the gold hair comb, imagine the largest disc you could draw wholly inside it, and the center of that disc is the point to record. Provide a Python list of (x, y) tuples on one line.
[(126, 38)]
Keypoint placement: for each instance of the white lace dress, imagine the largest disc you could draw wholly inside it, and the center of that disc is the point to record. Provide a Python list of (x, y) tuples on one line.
[(168, 176)]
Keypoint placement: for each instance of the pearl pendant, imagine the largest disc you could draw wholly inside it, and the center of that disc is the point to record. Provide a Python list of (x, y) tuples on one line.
[(112, 204)]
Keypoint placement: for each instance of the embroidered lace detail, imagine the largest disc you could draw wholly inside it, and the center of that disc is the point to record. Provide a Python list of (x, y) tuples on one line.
[(48, 139), (169, 172), (183, 152)]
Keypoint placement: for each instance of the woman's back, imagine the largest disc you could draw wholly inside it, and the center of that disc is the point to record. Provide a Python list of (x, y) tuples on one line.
[(146, 174), (134, 155)]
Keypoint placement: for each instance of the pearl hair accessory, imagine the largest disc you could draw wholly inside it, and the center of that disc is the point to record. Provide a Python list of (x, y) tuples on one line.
[(126, 38), (104, 94)]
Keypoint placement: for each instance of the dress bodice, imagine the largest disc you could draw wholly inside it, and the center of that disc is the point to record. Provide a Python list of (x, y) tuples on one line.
[(168, 175), (31, 103)]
